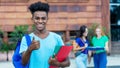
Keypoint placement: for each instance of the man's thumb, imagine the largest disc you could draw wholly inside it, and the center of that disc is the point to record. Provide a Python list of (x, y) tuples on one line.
[(33, 39)]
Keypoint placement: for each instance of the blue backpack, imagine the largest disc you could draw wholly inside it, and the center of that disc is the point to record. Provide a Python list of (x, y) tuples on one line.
[(17, 58)]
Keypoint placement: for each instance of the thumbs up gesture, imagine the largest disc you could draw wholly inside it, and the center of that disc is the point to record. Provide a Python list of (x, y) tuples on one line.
[(34, 45)]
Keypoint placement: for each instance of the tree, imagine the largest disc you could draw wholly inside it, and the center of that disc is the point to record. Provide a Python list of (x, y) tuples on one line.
[(4, 47), (91, 32), (17, 34)]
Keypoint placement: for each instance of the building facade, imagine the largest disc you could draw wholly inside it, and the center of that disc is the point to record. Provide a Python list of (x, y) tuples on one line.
[(65, 17)]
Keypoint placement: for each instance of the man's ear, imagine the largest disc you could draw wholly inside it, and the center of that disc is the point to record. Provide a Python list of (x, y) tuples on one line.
[(32, 17)]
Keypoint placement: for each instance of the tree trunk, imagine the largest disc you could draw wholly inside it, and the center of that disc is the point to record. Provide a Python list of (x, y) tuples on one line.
[(7, 59)]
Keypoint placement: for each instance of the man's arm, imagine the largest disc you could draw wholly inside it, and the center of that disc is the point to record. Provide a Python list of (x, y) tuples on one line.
[(26, 55)]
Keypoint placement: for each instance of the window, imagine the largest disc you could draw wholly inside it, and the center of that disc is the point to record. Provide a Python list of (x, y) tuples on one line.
[(115, 20), (118, 1), (111, 1), (114, 1), (54, 8), (72, 35)]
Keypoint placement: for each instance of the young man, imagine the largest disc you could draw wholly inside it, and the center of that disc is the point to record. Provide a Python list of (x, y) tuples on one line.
[(39, 53)]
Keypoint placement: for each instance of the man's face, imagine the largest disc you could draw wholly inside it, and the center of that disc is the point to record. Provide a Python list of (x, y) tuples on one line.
[(40, 19)]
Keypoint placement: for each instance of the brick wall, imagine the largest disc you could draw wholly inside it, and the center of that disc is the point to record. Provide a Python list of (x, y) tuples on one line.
[(63, 13)]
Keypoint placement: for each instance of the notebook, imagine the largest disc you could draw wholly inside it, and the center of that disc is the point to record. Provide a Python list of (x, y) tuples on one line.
[(61, 53), (95, 48)]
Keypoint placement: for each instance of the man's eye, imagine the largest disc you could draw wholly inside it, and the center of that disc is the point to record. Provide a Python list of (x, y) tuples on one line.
[(43, 18), (37, 18)]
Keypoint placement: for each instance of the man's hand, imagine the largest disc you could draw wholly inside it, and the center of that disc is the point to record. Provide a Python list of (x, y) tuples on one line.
[(53, 61), (34, 45)]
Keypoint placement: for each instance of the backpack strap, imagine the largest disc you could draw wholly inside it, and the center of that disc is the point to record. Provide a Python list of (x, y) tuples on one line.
[(28, 39)]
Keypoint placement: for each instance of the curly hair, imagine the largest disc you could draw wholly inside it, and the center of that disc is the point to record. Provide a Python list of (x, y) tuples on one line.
[(39, 6)]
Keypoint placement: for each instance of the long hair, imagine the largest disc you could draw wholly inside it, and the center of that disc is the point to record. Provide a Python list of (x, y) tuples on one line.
[(81, 31), (101, 28)]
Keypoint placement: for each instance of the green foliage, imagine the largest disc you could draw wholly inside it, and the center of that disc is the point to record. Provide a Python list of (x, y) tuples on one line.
[(33, 27), (1, 33), (1, 41), (14, 37), (91, 32), (4, 47), (17, 34), (107, 33)]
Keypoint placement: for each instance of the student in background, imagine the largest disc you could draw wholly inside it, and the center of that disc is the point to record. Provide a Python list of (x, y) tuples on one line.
[(82, 42), (100, 40)]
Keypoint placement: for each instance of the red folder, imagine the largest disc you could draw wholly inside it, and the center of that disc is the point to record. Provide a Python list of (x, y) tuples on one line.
[(62, 54)]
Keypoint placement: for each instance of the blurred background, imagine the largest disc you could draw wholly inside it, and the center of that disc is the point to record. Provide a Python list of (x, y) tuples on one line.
[(65, 18)]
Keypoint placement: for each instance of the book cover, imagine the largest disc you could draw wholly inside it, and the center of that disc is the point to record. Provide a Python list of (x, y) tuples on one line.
[(57, 48), (95, 48), (61, 53)]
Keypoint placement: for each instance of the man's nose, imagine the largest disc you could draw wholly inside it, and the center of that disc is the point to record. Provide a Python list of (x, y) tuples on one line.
[(40, 20)]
